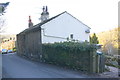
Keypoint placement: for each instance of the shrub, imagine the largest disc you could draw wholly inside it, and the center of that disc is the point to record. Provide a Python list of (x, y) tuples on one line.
[(74, 55), (112, 61), (14, 49)]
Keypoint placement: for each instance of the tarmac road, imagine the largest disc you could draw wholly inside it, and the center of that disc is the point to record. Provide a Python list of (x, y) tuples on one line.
[(14, 66)]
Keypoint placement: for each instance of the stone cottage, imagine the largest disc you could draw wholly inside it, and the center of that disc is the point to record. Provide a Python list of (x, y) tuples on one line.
[(62, 27)]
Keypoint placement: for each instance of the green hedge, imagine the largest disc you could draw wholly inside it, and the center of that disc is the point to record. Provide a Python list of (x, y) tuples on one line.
[(14, 49), (69, 54)]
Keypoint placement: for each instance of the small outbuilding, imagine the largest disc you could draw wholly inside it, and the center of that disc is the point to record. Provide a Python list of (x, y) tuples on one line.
[(29, 42)]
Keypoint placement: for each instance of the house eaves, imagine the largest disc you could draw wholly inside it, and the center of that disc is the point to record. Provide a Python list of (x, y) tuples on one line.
[(58, 16), (37, 26), (77, 19)]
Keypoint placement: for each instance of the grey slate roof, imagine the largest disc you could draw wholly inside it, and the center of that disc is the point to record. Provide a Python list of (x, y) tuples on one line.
[(37, 26)]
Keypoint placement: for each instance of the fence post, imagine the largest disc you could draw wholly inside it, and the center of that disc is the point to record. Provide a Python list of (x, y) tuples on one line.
[(102, 64), (97, 63), (92, 62)]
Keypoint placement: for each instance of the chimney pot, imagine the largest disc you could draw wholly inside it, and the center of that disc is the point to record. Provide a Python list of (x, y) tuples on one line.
[(30, 24)]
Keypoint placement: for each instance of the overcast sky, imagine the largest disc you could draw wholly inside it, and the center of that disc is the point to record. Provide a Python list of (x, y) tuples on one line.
[(99, 15)]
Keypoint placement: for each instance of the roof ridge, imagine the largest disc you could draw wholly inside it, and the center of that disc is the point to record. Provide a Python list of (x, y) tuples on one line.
[(51, 18), (61, 14), (41, 23)]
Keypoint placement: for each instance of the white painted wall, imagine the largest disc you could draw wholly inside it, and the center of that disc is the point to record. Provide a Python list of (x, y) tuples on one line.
[(63, 26)]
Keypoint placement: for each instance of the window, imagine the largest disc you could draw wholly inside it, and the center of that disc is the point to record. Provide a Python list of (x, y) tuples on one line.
[(71, 36)]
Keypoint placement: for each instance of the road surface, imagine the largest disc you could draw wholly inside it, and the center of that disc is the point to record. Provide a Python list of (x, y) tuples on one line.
[(14, 66)]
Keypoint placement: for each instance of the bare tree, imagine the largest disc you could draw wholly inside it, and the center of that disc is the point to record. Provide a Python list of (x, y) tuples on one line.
[(2, 11), (2, 24)]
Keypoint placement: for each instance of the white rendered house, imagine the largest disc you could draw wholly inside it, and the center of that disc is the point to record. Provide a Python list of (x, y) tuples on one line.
[(62, 27)]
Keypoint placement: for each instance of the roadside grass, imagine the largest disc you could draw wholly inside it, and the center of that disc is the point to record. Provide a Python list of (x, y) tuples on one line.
[(110, 59), (117, 66)]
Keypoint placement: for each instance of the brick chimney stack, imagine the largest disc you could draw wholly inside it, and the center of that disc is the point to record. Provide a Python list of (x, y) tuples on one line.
[(44, 14), (30, 24)]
